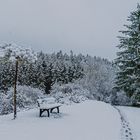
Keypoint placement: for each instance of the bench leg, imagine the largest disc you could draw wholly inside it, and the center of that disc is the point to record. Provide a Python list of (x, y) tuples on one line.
[(40, 112), (51, 110), (48, 113), (57, 109)]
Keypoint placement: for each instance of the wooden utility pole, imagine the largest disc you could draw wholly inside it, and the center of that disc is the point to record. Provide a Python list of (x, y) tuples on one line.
[(15, 90)]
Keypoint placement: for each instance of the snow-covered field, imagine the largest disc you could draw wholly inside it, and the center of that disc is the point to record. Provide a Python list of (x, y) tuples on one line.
[(90, 120)]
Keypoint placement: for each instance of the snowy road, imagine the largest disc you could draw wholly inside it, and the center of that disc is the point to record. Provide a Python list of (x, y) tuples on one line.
[(90, 120)]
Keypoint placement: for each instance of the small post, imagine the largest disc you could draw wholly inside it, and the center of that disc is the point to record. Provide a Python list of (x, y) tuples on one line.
[(15, 90)]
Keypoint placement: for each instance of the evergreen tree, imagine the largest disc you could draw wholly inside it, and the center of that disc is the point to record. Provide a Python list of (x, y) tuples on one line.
[(128, 61)]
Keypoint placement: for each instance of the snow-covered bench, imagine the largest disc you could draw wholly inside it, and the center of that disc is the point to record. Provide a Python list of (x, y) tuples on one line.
[(47, 104), (138, 104)]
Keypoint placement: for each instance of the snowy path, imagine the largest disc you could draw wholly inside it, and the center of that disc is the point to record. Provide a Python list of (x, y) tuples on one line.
[(90, 120), (126, 130), (133, 115)]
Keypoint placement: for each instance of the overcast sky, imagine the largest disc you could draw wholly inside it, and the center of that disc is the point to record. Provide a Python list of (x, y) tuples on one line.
[(84, 26)]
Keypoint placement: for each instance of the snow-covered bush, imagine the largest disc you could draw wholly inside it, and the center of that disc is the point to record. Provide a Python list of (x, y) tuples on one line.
[(26, 97), (120, 98), (69, 93)]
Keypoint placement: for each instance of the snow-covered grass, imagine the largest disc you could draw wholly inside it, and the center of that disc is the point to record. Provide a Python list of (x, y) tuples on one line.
[(90, 120), (133, 115)]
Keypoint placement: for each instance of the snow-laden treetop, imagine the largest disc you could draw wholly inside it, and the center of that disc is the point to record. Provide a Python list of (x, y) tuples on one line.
[(13, 51)]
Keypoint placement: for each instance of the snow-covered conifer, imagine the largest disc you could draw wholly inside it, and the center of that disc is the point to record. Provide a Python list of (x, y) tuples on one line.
[(128, 77)]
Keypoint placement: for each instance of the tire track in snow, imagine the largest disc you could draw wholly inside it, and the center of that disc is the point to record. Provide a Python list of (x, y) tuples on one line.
[(126, 130)]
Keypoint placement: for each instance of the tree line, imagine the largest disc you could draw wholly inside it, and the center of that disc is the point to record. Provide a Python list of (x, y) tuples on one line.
[(46, 70)]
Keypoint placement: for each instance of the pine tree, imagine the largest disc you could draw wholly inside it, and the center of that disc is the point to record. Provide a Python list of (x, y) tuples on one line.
[(128, 61)]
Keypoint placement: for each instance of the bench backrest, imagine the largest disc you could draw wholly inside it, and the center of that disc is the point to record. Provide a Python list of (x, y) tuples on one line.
[(50, 100)]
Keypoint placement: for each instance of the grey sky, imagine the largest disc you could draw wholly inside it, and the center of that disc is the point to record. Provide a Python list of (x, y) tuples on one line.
[(84, 26)]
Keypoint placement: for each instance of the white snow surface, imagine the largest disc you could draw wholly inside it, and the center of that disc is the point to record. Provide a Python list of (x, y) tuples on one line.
[(133, 115), (90, 120)]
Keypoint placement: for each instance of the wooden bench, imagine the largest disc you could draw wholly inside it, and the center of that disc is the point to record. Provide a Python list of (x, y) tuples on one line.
[(44, 106)]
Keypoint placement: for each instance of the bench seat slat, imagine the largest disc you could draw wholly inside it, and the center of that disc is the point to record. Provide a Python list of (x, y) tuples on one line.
[(49, 106)]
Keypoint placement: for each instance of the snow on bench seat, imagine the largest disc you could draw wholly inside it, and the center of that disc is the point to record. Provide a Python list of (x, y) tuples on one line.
[(49, 106)]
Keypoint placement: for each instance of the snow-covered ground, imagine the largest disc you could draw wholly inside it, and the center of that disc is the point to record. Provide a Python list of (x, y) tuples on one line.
[(132, 114), (90, 120)]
